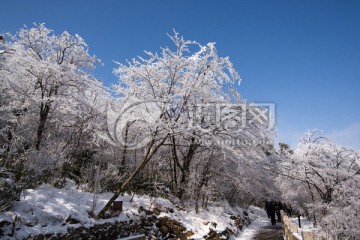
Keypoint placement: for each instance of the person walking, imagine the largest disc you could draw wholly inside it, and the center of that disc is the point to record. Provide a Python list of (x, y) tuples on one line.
[(271, 209)]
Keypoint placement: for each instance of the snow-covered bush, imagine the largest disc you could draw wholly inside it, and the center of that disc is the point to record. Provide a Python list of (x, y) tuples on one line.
[(9, 191)]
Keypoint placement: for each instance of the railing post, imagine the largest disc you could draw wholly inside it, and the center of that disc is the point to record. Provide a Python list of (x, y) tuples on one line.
[(308, 235)]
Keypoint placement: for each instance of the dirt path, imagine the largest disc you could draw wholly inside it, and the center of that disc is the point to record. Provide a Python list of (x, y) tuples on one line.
[(269, 233)]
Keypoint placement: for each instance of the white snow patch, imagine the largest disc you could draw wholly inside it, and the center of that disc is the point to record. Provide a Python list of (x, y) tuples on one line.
[(44, 210), (260, 220)]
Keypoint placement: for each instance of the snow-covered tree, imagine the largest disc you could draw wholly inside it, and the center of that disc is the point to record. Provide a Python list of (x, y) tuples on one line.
[(322, 176), (49, 100), (44, 70), (184, 102)]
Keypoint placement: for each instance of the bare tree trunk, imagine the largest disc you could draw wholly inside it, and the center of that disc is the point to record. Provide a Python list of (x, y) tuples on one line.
[(148, 156), (183, 182), (44, 113), (125, 146), (204, 179), (205, 201), (186, 167), (313, 200), (176, 162), (122, 164), (175, 177), (249, 204), (172, 183)]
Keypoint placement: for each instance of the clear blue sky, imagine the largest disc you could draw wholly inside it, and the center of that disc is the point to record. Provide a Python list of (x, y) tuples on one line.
[(302, 55)]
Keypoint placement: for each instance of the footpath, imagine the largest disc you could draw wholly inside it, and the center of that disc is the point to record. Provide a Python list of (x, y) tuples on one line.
[(269, 233), (261, 229)]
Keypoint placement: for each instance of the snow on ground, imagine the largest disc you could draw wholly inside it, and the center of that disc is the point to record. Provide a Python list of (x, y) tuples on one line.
[(305, 223), (44, 210), (200, 223), (260, 220)]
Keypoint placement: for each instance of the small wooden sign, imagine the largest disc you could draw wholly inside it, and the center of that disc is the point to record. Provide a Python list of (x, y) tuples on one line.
[(117, 205)]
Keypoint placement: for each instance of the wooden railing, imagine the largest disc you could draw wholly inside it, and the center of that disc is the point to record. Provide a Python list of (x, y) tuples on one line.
[(292, 230)]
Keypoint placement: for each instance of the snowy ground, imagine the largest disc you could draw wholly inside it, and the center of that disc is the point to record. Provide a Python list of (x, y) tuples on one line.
[(44, 210), (260, 220), (305, 223)]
